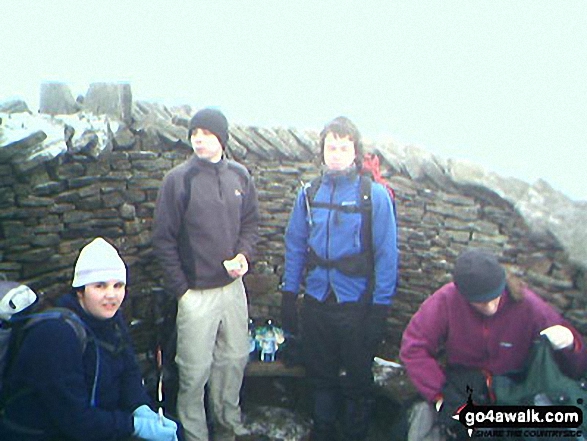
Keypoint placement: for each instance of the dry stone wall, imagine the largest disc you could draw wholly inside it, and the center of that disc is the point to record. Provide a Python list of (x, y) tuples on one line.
[(66, 179)]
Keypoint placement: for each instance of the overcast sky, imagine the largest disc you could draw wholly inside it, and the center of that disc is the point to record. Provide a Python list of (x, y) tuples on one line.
[(502, 83)]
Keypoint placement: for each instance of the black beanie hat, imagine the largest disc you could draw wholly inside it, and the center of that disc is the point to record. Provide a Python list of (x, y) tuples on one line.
[(212, 120), (479, 276)]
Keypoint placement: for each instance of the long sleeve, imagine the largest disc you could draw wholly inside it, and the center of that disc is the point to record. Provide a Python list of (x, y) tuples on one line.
[(500, 343), (385, 251), (296, 245), (132, 392), (50, 364), (249, 228), (166, 234), (419, 348)]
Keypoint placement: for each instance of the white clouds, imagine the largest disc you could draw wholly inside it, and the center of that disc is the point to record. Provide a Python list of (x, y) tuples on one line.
[(500, 83)]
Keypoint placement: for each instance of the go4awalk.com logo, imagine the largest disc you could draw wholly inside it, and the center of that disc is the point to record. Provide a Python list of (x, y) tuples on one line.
[(548, 421)]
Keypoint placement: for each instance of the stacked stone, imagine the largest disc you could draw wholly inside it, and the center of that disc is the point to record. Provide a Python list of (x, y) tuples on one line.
[(67, 178)]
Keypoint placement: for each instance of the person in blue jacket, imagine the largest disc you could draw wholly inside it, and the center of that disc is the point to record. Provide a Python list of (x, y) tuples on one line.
[(61, 389), (349, 279)]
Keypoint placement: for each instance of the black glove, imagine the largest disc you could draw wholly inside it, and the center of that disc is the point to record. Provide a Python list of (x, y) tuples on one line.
[(376, 327), (291, 351), (289, 313), (460, 383)]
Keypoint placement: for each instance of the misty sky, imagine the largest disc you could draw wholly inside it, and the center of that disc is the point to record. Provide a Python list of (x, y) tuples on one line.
[(501, 83)]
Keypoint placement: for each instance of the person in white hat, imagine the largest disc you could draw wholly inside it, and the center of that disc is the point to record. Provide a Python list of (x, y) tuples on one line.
[(62, 386)]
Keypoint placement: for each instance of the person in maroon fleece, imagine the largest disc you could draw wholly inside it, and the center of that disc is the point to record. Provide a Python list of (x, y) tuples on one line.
[(485, 320)]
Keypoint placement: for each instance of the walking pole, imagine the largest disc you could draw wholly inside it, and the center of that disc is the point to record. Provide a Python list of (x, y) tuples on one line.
[(160, 383)]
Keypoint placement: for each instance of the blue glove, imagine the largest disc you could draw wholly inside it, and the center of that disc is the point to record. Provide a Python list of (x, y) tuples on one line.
[(166, 422), (152, 429), (144, 411)]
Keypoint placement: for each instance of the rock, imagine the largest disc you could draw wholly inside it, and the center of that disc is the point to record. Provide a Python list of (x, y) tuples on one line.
[(545, 210), (112, 99), (124, 139), (156, 122), (14, 106), (56, 99), (276, 423)]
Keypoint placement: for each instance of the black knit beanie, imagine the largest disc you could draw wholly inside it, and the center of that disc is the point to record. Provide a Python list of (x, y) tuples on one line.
[(479, 276), (212, 120)]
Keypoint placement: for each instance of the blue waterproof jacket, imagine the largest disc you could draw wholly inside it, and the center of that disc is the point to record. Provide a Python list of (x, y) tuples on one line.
[(334, 234), (57, 380)]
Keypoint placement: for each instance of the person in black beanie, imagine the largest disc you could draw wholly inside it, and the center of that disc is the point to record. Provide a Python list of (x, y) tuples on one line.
[(486, 320), (211, 120), (206, 222)]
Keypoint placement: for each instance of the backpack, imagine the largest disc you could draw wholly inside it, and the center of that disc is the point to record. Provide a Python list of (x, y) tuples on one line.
[(360, 264), (189, 176), (541, 383), (17, 318), (12, 341), (14, 298), (13, 335), (371, 168)]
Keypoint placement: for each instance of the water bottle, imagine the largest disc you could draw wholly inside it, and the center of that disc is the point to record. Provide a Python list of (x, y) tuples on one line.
[(268, 343)]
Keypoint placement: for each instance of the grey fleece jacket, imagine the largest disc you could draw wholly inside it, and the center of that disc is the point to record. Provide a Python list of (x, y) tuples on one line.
[(205, 213)]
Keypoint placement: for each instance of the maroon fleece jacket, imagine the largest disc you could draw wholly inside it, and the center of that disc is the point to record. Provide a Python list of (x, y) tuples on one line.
[(499, 343)]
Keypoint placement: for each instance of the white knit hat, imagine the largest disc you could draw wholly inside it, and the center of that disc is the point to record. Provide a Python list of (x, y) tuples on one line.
[(98, 262)]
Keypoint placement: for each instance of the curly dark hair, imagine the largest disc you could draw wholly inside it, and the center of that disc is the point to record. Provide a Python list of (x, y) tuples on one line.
[(342, 126)]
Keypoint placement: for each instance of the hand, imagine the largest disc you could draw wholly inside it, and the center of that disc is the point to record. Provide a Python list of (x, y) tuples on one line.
[(154, 429), (376, 325), (236, 267), (145, 411), (169, 424), (560, 337), (289, 313)]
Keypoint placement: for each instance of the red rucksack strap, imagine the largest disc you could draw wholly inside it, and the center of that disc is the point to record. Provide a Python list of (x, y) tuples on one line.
[(371, 167)]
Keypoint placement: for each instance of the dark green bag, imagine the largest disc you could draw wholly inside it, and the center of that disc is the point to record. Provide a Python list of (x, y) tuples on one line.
[(542, 383)]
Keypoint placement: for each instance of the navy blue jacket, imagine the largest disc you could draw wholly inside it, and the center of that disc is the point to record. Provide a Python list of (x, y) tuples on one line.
[(58, 379), (336, 234)]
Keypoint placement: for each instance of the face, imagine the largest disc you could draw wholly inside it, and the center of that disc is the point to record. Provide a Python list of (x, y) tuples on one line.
[(487, 308), (339, 153), (206, 145), (102, 299)]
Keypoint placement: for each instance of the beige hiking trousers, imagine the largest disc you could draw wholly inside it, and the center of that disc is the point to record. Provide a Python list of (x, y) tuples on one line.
[(213, 348)]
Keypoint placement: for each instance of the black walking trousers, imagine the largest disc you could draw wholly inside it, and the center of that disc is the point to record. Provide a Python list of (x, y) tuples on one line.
[(338, 360)]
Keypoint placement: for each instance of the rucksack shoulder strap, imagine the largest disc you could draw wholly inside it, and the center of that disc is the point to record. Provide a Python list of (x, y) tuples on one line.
[(312, 188), (365, 184), (26, 322), (191, 173), (240, 169), (65, 314)]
